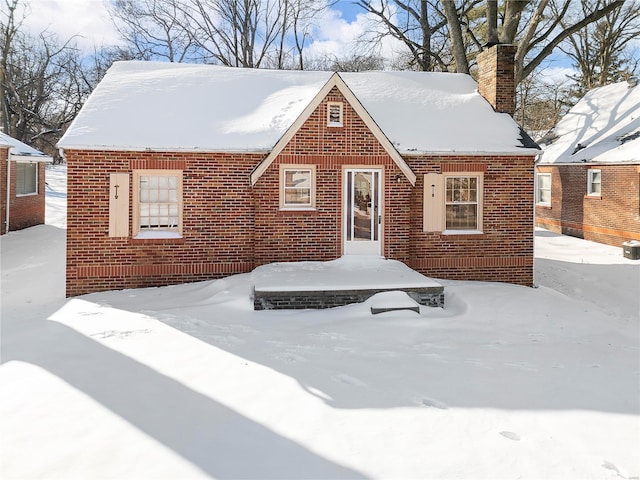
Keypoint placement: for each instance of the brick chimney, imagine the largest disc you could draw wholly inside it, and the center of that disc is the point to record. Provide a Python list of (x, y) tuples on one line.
[(496, 77)]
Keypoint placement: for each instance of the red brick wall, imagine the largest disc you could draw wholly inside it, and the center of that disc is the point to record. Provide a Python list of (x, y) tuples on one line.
[(496, 77), (230, 227), (504, 252), (217, 227), (25, 210), (612, 218)]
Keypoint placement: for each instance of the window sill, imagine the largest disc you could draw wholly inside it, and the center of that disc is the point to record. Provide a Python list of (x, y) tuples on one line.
[(462, 232), (157, 235), (26, 194), (543, 205), (593, 196), (297, 209), (335, 124)]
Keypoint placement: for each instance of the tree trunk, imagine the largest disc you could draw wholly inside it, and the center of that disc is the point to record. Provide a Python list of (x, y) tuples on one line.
[(455, 34)]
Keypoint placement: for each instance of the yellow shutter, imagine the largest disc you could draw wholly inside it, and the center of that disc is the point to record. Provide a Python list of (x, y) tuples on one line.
[(119, 205), (433, 204)]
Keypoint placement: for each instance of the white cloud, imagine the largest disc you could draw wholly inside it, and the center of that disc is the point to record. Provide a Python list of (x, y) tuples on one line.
[(334, 36), (88, 20)]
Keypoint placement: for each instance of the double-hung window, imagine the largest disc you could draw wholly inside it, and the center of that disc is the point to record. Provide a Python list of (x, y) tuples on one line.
[(453, 202), (594, 182), (297, 187), (462, 202), (543, 192), (157, 209), (26, 178)]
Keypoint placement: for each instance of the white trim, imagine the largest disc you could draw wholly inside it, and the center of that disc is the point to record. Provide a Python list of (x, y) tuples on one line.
[(340, 122), (312, 187), (31, 159), (371, 247), (334, 81), (37, 184), (136, 204), (590, 183), (479, 202), (537, 185), (476, 153)]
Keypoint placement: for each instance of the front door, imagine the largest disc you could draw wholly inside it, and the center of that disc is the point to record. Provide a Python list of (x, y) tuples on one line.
[(362, 211)]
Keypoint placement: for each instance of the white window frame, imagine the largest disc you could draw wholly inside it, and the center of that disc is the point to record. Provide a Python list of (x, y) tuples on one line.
[(332, 106), (479, 176), (590, 182), (25, 192), (540, 189), (157, 231), (284, 205)]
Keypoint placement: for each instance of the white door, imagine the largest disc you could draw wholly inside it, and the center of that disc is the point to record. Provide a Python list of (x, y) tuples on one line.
[(362, 211)]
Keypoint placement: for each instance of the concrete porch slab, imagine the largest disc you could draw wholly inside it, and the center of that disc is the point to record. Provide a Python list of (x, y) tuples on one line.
[(350, 279)]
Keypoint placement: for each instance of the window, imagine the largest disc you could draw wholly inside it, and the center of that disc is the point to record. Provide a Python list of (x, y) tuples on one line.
[(462, 202), (297, 186), (157, 209), (594, 182), (543, 193), (26, 178), (334, 114)]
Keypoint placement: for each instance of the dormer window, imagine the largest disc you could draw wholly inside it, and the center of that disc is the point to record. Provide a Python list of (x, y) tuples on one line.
[(334, 114)]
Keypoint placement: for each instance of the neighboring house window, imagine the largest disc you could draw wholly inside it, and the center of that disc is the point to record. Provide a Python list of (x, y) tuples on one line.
[(26, 178), (462, 200), (334, 114), (297, 186), (544, 189), (594, 182), (157, 209)]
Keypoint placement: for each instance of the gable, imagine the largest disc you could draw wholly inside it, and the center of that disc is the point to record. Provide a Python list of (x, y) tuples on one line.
[(336, 90)]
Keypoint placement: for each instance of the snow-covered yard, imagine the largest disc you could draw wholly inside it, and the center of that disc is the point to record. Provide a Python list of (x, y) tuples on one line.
[(189, 382)]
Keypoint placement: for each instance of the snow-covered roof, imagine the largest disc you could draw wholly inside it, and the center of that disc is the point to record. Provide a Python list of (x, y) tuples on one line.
[(166, 106), (603, 127), (19, 149)]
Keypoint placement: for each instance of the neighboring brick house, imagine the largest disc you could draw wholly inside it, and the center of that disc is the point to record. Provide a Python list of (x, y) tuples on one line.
[(180, 173), (22, 169), (588, 178)]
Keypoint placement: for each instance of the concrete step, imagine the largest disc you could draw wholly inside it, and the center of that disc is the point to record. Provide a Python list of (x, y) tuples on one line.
[(392, 301)]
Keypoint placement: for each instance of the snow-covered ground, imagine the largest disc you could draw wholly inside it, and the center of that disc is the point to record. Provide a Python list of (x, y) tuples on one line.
[(189, 382)]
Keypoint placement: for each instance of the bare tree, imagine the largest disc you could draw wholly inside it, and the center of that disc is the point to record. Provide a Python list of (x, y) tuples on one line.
[(239, 33), (40, 94), (601, 51), (154, 29), (537, 28), (418, 24), (541, 102)]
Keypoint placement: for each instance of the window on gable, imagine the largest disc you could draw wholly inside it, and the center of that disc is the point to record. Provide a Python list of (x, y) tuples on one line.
[(334, 114), (594, 182), (26, 178), (297, 186), (543, 192), (157, 209), (453, 203)]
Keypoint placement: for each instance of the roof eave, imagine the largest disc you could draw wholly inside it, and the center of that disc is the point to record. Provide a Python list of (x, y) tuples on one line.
[(31, 158)]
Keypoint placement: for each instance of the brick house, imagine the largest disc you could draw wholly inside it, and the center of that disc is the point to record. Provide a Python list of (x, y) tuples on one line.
[(588, 178), (22, 182), (180, 173)]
